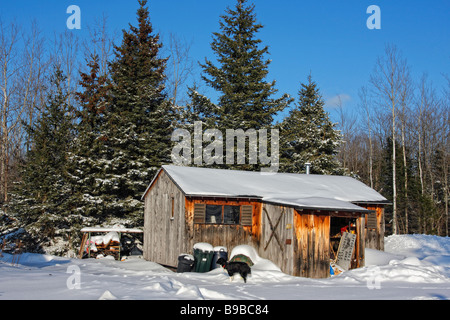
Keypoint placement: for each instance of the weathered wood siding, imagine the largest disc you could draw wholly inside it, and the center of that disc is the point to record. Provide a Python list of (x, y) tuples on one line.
[(164, 234), (312, 244), (375, 235), (360, 246)]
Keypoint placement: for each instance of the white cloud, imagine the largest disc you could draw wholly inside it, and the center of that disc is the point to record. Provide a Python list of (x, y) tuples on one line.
[(339, 99)]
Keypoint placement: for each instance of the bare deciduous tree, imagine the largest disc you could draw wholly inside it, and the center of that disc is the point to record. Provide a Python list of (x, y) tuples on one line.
[(180, 67), (100, 43), (388, 81), (446, 147), (22, 65), (365, 107), (406, 94), (65, 57)]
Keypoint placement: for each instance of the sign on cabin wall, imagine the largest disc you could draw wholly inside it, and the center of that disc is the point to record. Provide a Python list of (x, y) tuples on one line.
[(344, 255)]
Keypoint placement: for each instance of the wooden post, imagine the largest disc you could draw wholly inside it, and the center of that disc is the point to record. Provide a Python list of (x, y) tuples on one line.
[(120, 243), (89, 246), (361, 241), (83, 243)]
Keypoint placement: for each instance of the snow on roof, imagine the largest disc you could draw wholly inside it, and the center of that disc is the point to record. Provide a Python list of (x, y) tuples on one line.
[(111, 229), (298, 190)]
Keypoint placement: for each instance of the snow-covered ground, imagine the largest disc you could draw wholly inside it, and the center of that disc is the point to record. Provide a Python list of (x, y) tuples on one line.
[(412, 267)]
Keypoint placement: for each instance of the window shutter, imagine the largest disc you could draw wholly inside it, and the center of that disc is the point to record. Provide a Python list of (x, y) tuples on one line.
[(372, 220), (199, 212), (246, 218)]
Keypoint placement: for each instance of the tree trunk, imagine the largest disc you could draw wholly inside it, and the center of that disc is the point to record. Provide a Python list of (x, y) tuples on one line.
[(394, 180)]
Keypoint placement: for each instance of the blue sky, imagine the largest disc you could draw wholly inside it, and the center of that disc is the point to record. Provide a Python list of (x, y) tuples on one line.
[(328, 38)]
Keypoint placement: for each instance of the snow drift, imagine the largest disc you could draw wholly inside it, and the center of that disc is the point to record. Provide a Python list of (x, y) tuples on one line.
[(412, 267)]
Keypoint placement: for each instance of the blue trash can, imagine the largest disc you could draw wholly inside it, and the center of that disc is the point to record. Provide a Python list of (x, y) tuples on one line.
[(219, 252)]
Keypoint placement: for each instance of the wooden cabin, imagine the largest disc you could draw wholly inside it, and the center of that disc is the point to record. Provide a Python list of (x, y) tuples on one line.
[(294, 220)]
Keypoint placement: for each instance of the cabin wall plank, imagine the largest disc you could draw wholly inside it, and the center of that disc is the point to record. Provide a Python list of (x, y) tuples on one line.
[(312, 237), (164, 235)]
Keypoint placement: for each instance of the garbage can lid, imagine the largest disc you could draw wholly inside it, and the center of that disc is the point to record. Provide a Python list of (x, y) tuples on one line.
[(186, 256), (220, 248), (203, 246)]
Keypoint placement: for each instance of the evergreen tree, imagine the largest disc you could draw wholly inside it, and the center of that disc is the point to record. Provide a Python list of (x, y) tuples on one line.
[(39, 201), (86, 162), (422, 209), (138, 121), (308, 135), (245, 97)]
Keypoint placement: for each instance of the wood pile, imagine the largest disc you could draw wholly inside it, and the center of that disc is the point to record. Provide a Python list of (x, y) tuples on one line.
[(102, 246)]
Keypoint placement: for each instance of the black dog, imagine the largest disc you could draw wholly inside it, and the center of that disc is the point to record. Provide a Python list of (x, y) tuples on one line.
[(235, 267)]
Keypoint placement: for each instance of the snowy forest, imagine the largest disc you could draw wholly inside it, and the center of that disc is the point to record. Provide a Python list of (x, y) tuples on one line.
[(85, 125)]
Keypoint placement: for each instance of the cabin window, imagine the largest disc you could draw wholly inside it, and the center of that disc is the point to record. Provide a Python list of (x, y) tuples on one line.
[(213, 214), (231, 214), (223, 214), (172, 216)]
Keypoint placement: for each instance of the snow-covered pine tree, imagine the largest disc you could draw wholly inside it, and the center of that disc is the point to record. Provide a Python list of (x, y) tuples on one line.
[(86, 161), (245, 96), (39, 199), (308, 135), (138, 121)]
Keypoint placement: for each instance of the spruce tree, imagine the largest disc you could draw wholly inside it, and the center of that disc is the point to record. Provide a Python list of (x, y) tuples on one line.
[(86, 162), (245, 98), (138, 121), (420, 206), (308, 135), (39, 200)]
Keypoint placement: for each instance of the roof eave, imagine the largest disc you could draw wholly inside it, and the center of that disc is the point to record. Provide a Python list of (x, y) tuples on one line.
[(151, 183), (362, 210)]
